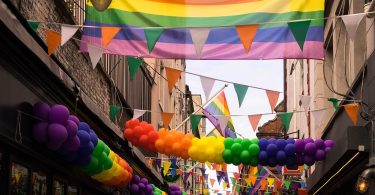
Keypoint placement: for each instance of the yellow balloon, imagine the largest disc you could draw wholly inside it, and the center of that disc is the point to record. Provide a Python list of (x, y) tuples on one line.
[(117, 171), (112, 155)]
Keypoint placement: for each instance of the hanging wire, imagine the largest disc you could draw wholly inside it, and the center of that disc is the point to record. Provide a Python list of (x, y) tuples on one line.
[(18, 132)]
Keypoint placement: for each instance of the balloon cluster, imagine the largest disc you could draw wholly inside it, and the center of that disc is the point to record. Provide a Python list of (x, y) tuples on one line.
[(308, 151), (141, 134), (174, 190), (158, 191), (207, 149), (239, 151), (174, 143), (140, 185)]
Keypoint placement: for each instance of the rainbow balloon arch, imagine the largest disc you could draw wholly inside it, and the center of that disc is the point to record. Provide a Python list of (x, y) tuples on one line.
[(79, 145)]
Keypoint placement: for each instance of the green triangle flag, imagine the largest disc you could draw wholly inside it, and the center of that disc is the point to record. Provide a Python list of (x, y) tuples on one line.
[(33, 24), (287, 183), (134, 64), (194, 121), (285, 118), (233, 180), (241, 92), (335, 102), (113, 111), (299, 30), (152, 36), (238, 187)]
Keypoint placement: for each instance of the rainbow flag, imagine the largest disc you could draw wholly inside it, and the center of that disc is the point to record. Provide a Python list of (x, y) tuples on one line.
[(219, 107), (273, 39)]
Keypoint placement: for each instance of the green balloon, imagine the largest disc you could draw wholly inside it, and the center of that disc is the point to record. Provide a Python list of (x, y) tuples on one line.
[(254, 161), (236, 149), (106, 149), (91, 167), (245, 157), (245, 144), (107, 164), (227, 156), (102, 158), (236, 161), (238, 140), (99, 148), (255, 141), (254, 149), (98, 170), (228, 142)]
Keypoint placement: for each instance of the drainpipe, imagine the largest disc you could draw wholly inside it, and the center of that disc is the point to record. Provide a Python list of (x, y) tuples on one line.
[(370, 39)]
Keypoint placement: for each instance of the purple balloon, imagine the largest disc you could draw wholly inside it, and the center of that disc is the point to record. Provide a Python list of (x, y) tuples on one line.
[(272, 162), (134, 188), (281, 158), (281, 143), (86, 150), (141, 186), (74, 119), (174, 188), (272, 141), (329, 143), (149, 188), (58, 114), (144, 181), (71, 127), (290, 141), (84, 137), (72, 144), (309, 140), (320, 155), (299, 159), (57, 133), (263, 158), (319, 143), (308, 160), (327, 149), (299, 146), (39, 132), (84, 127), (53, 145), (290, 149), (41, 110), (93, 137), (310, 149), (136, 179), (263, 144), (271, 149)]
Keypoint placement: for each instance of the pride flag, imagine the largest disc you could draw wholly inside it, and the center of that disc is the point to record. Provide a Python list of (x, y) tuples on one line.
[(169, 24)]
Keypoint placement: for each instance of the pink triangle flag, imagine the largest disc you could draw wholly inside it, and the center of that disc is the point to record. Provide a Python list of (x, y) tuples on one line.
[(223, 121), (199, 37), (67, 32), (305, 101), (318, 116), (138, 113), (254, 120), (207, 84), (351, 23), (95, 54), (273, 96)]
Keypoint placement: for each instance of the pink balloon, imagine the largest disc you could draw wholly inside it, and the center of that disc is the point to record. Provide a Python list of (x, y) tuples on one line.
[(57, 133), (74, 118)]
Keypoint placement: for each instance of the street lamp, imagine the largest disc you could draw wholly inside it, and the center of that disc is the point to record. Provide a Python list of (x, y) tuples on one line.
[(101, 5), (364, 180)]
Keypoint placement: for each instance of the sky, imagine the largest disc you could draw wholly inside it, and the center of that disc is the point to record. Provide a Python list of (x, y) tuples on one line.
[(264, 74)]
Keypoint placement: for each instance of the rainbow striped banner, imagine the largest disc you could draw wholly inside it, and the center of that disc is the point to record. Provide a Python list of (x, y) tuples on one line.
[(273, 38)]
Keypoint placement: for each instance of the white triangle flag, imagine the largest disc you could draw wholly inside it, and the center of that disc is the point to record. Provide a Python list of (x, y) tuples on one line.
[(306, 101), (318, 116), (352, 22), (199, 37), (207, 85), (95, 53), (67, 32), (223, 121), (138, 113)]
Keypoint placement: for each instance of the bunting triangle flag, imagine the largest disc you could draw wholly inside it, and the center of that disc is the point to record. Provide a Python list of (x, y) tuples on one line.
[(138, 113), (287, 184), (246, 34), (225, 185), (150, 162), (134, 64), (152, 36), (253, 179), (273, 96), (263, 184), (172, 75), (270, 181), (305, 101), (166, 117), (207, 85), (180, 172), (351, 23), (254, 171), (335, 102), (352, 110), (67, 32), (194, 121), (95, 54), (212, 182), (223, 121), (166, 166), (33, 24), (234, 181), (241, 91), (299, 30), (278, 185), (285, 118), (237, 176), (254, 120), (318, 116), (302, 191), (238, 188), (199, 37), (248, 181), (53, 40), (113, 109), (186, 175), (108, 33)]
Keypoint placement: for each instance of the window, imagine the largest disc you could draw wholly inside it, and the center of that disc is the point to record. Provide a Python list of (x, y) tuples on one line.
[(39, 183), (72, 190), (58, 187), (19, 183)]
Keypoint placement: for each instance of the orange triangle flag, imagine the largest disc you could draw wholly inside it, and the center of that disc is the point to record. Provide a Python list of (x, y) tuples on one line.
[(253, 179), (254, 120), (172, 75), (108, 33), (247, 34), (166, 117), (263, 184), (179, 172), (224, 167), (273, 96), (53, 40), (278, 185), (352, 111), (212, 181), (237, 176)]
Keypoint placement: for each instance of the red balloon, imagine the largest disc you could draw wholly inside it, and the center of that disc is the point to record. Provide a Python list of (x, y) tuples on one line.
[(153, 136), (143, 123), (128, 133), (143, 140), (133, 123), (143, 131)]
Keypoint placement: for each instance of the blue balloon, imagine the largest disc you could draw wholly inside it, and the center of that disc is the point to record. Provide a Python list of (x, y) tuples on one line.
[(86, 150), (281, 143), (272, 141), (263, 144), (281, 158), (93, 137), (291, 161), (83, 160), (272, 149), (290, 141), (84, 126), (290, 149), (272, 162), (263, 158), (84, 138)]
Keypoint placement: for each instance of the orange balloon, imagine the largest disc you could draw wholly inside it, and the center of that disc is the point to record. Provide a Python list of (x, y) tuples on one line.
[(159, 144), (162, 133), (168, 151), (190, 135), (169, 139), (185, 155), (176, 148), (186, 143)]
